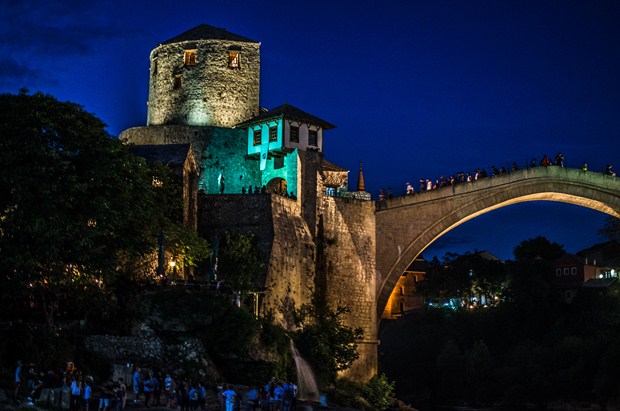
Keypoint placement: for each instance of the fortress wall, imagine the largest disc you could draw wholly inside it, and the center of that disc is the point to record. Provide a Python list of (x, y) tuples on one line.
[(291, 273), (349, 249), (283, 239), (217, 150)]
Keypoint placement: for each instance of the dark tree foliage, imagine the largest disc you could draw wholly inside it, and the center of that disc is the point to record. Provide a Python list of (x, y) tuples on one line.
[(240, 264), (524, 353), (324, 340), (611, 229), (538, 248), (77, 210), (462, 276)]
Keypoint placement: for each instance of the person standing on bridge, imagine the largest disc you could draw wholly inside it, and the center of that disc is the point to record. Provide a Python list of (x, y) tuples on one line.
[(609, 171), (559, 160), (409, 188)]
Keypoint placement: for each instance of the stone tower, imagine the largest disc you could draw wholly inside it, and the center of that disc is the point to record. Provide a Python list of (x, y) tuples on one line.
[(204, 77)]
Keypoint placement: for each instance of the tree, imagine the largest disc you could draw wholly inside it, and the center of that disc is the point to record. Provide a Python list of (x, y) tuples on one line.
[(239, 262), (324, 340), (538, 248), (77, 210), (611, 229)]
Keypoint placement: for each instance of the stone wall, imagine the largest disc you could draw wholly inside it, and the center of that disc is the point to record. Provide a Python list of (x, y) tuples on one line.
[(283, 239), (208, 93), (218, 151), (348, 227)]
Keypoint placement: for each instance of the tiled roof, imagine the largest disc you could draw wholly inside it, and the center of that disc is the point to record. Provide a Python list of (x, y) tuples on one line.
[(206, 32), (290, 113), (173, 155), (329, 166), (599, 282)]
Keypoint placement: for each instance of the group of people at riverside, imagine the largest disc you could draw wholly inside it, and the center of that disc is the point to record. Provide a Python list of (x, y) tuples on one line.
[(479, 173), (148, 388)]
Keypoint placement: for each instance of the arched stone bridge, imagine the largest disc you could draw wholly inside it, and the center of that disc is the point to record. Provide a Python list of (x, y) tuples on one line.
[(406, 225)]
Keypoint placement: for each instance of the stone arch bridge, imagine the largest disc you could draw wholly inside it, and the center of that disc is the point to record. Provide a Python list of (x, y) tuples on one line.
[(407, 225)]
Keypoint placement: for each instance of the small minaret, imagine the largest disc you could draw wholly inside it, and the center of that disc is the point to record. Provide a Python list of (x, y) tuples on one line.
[(360, 180)]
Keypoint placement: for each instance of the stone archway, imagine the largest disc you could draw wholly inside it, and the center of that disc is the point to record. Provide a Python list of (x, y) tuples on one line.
[(407, 225), (277, 185)]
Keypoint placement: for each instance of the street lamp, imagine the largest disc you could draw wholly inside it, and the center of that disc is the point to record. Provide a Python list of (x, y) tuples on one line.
[(173, 267)]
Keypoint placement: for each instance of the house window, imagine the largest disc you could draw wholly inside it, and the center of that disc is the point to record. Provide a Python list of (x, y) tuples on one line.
[(257, 137), (573, 270), (273, 133), (177, 82), (294, 134), (313, 139), (401, 307), (189, 57), (233, 58), (566, 270), (402, 290), (558, 272)]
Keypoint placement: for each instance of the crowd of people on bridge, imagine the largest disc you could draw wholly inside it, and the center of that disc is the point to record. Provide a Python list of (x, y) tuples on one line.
[(427, 184)]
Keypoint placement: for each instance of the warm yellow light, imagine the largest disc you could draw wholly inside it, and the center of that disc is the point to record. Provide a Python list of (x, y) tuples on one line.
[(172, 263)]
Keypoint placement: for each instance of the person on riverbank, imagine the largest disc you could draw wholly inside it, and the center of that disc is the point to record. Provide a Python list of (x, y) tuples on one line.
[(230, 396), (76, 393), (137, 385), (18, 381), (88, 392), (121, 395)]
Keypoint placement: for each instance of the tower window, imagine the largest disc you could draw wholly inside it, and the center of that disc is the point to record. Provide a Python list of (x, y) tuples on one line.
[(189, 58), (313, 138), (233, 58), (273, 133), (294, 134), (257, 137)]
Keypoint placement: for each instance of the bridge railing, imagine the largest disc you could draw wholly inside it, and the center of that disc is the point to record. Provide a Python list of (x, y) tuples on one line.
[(400, 188)]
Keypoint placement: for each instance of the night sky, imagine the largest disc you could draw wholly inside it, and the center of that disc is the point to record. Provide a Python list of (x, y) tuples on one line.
[(417, 89)]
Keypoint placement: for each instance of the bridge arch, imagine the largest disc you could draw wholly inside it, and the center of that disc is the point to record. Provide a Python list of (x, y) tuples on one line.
[(406, 226)]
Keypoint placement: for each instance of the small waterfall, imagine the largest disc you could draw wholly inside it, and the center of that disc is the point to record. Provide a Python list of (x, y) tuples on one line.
[(308, 389)]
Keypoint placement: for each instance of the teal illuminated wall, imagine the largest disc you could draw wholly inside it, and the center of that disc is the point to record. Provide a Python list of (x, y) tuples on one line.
[(224, 158)]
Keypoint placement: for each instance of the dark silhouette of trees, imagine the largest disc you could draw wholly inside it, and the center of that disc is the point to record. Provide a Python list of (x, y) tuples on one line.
[(79, 216)]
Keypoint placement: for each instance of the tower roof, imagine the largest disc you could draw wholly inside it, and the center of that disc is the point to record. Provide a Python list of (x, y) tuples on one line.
[(206, 32), (171, 155), (290, 113)]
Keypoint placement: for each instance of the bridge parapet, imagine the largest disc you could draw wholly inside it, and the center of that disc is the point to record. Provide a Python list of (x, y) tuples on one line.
[(601, 181)]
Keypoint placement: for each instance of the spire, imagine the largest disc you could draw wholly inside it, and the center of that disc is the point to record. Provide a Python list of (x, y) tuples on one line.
[(360, 180)]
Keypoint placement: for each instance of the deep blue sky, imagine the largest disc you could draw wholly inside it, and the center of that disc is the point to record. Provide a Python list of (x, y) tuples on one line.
[(417, 89)]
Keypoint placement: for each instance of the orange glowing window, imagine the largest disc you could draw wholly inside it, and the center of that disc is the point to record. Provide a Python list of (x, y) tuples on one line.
[(233, 58), (189, 58)]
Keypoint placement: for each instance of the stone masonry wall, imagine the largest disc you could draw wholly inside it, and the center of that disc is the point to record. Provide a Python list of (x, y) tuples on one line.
[(283, 239), (349, 250), (208, 93), (217, 150)]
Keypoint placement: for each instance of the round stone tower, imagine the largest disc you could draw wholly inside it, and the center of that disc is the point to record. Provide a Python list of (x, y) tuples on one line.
[(204, 77)]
